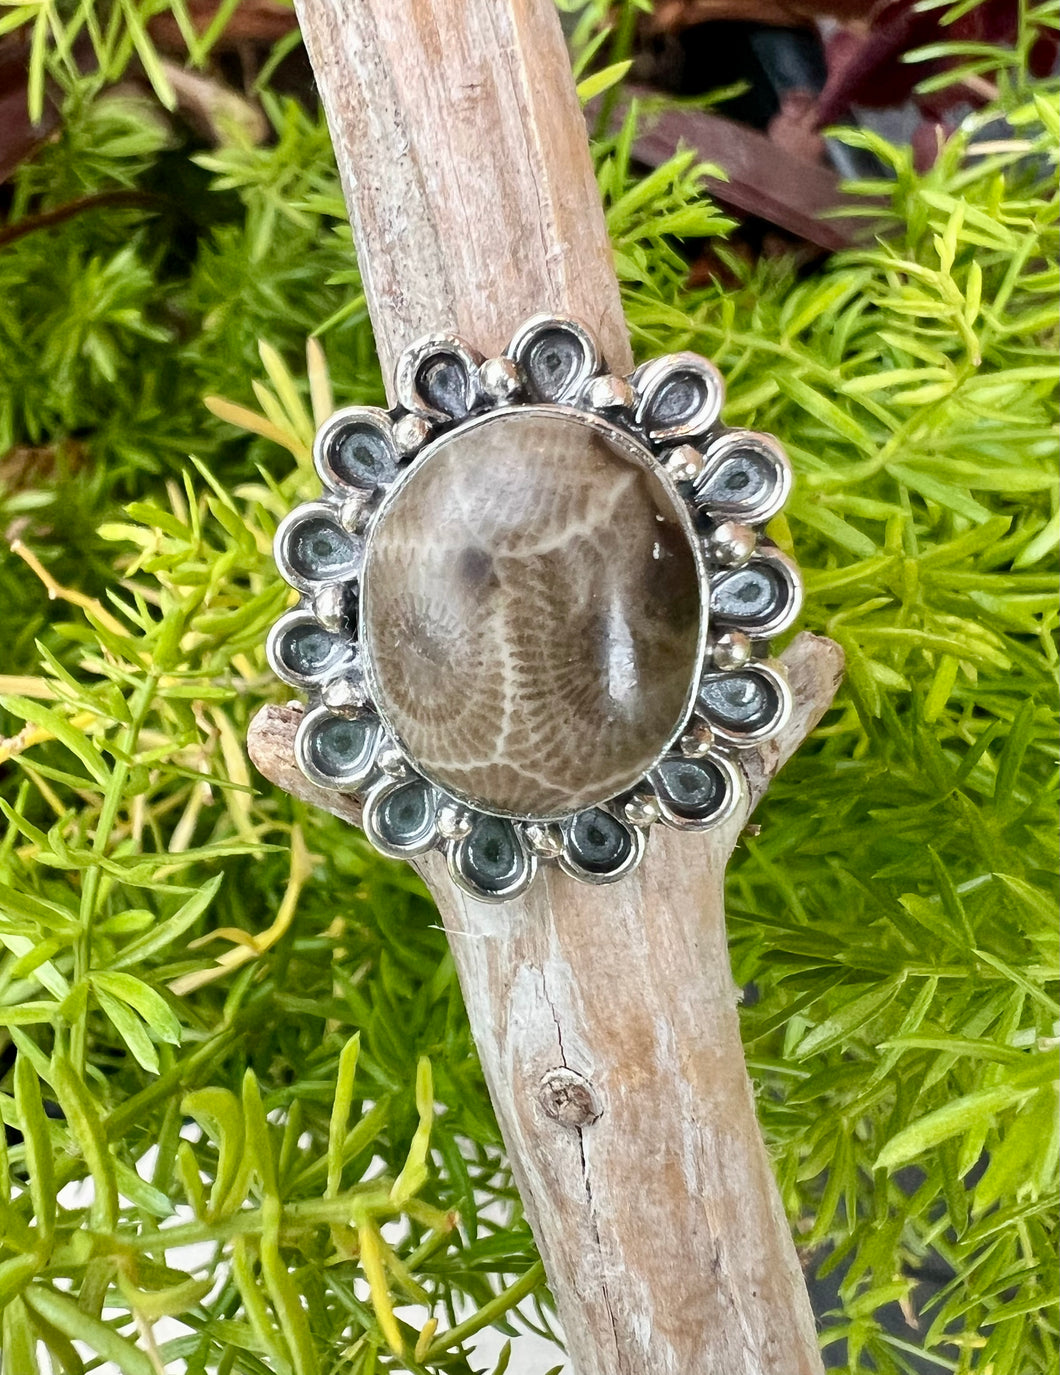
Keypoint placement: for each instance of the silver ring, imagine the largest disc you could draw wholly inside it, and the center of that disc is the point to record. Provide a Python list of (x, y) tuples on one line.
[(535, 606)]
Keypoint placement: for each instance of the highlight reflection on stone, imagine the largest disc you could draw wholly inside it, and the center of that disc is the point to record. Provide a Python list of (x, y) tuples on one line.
[(531, 612)]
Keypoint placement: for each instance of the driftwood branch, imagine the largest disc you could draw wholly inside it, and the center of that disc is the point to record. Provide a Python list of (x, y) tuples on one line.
[(606, 1021), (605, 1018), (463, 156)]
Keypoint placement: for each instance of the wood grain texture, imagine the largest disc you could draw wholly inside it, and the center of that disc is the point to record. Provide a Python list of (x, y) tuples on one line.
[(605, 1018), (466, 168)]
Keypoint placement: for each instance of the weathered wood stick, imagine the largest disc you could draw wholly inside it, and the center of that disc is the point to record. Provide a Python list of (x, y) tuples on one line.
[(462, 152), (605, 1018), (606, 1021)]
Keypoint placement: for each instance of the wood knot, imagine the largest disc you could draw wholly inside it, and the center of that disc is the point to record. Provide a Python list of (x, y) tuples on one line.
[(569, 1098)]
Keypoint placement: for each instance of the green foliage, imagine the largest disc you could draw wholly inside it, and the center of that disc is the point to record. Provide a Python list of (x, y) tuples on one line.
[(117, 34), (241, 1028)]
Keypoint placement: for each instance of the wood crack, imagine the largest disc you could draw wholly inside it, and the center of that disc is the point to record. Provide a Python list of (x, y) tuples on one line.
[(590, 1202)]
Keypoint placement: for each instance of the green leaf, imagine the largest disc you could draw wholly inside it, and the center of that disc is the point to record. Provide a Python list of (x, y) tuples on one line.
[(1022, 1162), (165, 932), (16, 1273), (284, 1293), (37, 911), (1032, 990), (948, 495), (86, 1127), (602, 81), (821, 407), (340, 1112), (18, 1341), (143, 999), (849, 1017), (219, 1113), (170, 1302), (63, 1313), (76, 741), (258, 1142), (954, 1119), (414, 1171), (29, 1013), (131, 1030), (268, 1339), (371, 1246), (834, 528), (37, 1140)]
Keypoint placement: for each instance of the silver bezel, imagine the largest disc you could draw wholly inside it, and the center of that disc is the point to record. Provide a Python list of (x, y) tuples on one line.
[(531, 331), (310, 510), (570, 866), (455, 855), (371, 417), (377, 795), (735, 793), (636, 414), (343, 783), (412, 361), (649, 381), (340, 657), (785, 617), (715, 454), (740, 740)]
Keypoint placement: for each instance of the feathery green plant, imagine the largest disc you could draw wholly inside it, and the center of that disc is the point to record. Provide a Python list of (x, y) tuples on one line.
[(225, 1022)]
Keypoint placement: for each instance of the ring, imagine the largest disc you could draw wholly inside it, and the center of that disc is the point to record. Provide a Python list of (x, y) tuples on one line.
[(535, 607)]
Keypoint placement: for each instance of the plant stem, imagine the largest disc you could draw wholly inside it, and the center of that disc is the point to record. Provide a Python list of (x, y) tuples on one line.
[(489, 1312), (112, 801), (301, 1216), (621, 49)]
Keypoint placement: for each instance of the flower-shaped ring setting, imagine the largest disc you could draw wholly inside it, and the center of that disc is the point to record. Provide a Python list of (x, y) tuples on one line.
[(535, 607)]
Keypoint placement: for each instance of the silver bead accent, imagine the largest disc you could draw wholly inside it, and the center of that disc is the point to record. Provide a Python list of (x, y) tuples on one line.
[(609, 393), (330, 606), (641, 809), (454, 822), (731, 649), (500, 380), (345, 696), (731, 543), (544, 839), (696, 741), (355, 511), (392, 761), (411, 432), (684, 464)]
